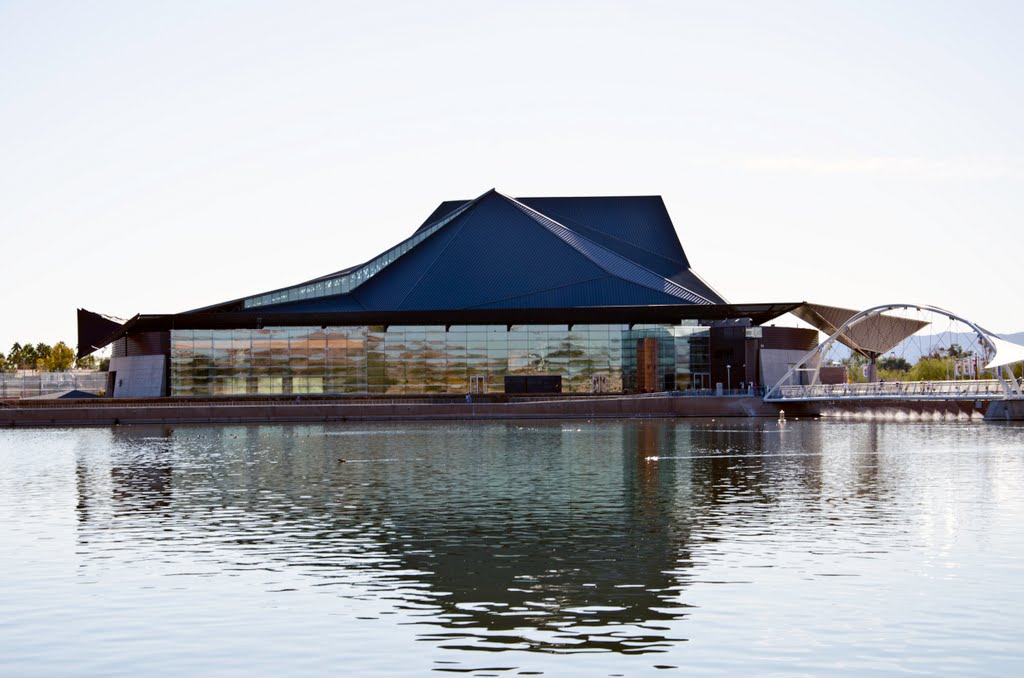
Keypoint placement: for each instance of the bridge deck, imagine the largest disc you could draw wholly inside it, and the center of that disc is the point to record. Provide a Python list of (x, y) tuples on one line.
[(982, 389)]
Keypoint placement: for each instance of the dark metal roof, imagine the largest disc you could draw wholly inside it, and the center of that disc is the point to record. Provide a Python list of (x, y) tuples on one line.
[(637, 227), (500, 249), (641, 222), (93, 328)]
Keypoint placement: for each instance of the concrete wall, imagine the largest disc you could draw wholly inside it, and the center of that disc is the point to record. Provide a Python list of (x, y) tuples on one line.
[(104, 412), (776, 362), (141, 376)]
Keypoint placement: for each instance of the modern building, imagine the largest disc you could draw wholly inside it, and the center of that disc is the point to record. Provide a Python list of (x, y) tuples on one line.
[(490, 295)]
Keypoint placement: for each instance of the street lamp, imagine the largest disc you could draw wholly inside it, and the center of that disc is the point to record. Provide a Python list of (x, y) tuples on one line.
[(728, 377)]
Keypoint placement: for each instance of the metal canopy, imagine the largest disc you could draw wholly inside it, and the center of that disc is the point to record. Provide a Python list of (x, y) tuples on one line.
[(1007, 353), (94, 330), (871, 337)]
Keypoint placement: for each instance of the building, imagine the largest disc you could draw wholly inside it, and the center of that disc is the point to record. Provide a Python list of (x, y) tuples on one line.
[(490, 295)]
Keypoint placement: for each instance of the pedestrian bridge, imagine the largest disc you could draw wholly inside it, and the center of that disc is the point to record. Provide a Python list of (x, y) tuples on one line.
[(983, 389), (874, 332)]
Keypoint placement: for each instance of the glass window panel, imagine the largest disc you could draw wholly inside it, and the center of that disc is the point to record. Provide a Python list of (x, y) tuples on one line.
[(269, 385), (307, 385)]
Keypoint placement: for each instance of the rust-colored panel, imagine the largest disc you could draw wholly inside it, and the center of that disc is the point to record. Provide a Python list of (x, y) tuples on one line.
[(789, 338), (148, 343), (647, 365)]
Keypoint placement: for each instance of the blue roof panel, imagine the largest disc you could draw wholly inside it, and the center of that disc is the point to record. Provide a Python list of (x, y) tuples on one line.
[(641, 221), (501, 253), (615, 263), (606, 291), (497, 252)]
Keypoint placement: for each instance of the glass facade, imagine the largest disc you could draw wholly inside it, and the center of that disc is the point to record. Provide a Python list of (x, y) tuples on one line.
[(429, 359)]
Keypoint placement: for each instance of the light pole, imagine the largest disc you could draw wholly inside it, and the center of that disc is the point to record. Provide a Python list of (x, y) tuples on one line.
[(728, 377)]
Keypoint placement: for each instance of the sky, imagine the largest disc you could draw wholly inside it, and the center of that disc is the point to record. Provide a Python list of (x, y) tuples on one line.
[(162, 156)]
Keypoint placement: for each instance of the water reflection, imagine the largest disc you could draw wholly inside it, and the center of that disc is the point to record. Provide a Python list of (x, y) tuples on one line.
[(544, 537)]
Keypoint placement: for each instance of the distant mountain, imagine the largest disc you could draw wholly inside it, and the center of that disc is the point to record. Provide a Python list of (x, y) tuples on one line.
[(921, 344)]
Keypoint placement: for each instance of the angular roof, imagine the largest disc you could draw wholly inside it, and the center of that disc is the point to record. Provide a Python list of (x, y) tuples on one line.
[(500, 252)]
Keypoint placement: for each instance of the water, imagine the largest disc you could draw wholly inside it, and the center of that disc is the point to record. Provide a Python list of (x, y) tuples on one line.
[(501, 549)]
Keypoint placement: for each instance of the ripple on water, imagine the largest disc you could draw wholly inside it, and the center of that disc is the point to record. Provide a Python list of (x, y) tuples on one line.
[(585, 548)]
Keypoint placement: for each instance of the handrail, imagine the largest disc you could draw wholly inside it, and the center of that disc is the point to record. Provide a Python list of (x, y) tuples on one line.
[(904, 390)]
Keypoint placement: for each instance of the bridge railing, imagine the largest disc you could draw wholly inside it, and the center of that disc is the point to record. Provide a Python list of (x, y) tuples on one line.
[(915, 390)]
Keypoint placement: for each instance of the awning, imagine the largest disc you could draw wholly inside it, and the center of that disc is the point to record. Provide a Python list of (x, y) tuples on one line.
[(1007, 353), (871, 337), (758, 314)]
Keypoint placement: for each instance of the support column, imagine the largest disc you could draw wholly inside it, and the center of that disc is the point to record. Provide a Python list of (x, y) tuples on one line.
[(873, 369)]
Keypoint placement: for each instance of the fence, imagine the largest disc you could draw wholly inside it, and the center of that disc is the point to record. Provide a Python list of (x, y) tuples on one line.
[(43, 383)]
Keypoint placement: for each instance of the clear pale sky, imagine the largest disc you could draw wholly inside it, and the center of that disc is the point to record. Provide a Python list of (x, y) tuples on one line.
[(161, 156)]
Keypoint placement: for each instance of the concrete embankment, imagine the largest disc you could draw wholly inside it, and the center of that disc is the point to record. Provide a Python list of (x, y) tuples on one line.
[(920, 409), (108, 412)]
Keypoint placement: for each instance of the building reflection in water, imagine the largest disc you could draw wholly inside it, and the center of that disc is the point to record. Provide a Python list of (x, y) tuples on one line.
[(134, 479), (552, 537)]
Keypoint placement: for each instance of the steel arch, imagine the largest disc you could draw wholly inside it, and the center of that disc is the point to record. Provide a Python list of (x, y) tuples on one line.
[(1010, 387)]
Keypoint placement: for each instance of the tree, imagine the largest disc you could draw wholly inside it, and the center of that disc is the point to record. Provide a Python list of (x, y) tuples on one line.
[(932, 369), (86, 362), (893, 364), (955, 351), (60, 358), (22, 357), (42, 353), (854, 364), (3, 363)]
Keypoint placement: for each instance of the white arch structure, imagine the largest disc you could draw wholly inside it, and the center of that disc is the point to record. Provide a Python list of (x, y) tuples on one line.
[(1004, 352)]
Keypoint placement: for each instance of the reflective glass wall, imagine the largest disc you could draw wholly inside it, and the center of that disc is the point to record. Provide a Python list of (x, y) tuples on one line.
[(425, 359)]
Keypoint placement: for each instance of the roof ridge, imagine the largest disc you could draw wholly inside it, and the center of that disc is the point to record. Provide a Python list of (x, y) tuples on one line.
[(626, 243), (655, 252), (699, 277), (533, 214), (462, 210)]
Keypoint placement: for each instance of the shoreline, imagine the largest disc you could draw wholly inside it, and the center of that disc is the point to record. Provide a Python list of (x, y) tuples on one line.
[(106, 412), (231, 411)]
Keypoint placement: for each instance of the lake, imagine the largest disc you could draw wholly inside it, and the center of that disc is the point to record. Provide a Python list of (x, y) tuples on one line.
[(606, 548)]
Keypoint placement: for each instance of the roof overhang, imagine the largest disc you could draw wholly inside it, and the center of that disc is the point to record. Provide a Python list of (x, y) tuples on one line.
[(94, 330), (758, 314)]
